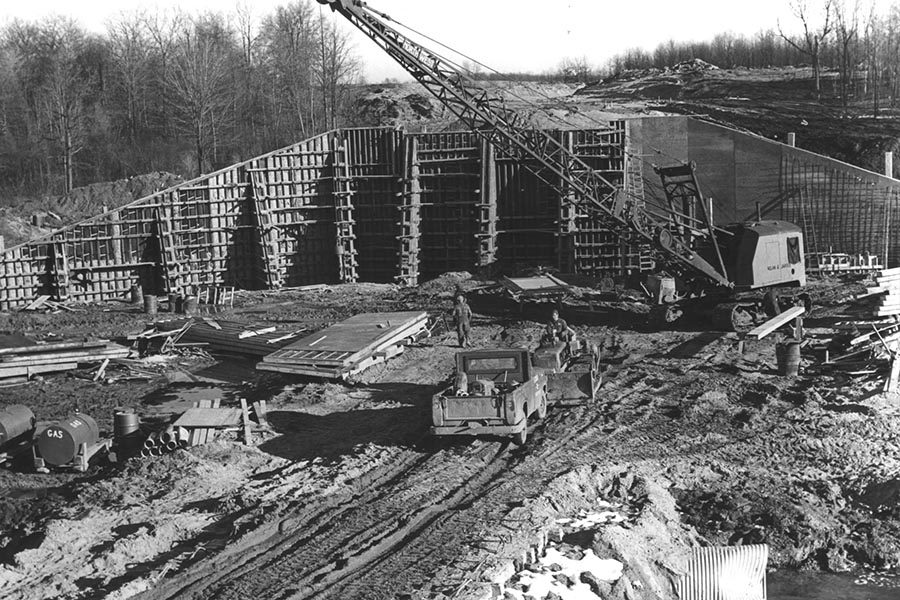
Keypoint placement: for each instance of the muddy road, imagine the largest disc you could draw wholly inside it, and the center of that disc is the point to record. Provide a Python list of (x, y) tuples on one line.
[(344, 496)]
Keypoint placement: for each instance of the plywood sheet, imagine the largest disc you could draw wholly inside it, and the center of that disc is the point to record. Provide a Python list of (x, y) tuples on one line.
[(209, 417)]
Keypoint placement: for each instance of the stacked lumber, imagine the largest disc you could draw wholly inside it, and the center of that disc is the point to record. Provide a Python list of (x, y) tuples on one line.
[(348, 347), (239, 338), (887, 286), (202, 423), (21, 362)]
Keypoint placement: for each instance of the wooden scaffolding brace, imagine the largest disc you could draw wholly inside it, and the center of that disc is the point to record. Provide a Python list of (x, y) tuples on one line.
[(565, 225), (410, 214), (59, 270), (273, 272), (343, 217), (171, 267), (487, 207)]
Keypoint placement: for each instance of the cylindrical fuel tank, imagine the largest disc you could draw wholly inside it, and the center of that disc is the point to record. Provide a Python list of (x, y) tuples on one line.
[(58, 443), (16, 421)]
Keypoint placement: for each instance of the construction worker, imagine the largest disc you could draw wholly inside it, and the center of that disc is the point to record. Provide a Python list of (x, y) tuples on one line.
[(462, 314), (558, 330)]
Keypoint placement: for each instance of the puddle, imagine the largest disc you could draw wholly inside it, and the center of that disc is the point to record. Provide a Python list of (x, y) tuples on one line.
[(791, 585)]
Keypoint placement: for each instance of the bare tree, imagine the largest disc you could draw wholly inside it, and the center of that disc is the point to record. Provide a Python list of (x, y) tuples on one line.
[(287, 47), (814, 35), (846, 31), (576, 69), (129, 47), (198, 81), (336, 67), (58, 84)]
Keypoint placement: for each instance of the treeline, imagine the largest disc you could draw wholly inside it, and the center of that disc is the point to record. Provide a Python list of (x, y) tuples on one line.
[(164, 92), (859, 44)]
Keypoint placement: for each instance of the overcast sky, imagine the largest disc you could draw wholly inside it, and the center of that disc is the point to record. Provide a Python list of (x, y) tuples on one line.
[(509, 35)]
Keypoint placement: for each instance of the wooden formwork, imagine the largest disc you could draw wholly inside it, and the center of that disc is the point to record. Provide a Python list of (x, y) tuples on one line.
[(838, 209), (378, 204)]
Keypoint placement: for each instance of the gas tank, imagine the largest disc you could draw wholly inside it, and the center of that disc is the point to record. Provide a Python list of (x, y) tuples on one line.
[(59, 443), (16, 421)]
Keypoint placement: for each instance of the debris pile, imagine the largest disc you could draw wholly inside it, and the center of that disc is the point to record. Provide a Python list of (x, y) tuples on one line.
[(19, 363)]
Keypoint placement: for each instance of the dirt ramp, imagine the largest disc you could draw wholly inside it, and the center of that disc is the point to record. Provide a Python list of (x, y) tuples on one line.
[(611, 534)]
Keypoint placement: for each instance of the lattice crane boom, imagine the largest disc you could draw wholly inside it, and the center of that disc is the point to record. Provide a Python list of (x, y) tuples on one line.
[(508, 131)]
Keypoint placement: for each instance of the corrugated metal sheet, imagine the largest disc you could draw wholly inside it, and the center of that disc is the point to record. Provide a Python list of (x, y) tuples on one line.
[(725, 573)]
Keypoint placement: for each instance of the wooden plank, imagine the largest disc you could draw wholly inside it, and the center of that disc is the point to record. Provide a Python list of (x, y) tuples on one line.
[(245, 417), (36, 303), (29, 370), (776, 322), (54, 346), (890, 384), (209, 418), (82, 356)]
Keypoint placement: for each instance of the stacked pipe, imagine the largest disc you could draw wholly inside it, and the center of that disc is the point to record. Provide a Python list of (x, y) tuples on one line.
[(164, 441)]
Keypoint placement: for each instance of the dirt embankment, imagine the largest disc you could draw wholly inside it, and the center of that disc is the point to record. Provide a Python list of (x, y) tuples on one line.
[(691, 442), (22, 219)]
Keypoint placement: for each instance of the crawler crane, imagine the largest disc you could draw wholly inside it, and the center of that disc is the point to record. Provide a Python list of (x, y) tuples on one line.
[(708, 264)]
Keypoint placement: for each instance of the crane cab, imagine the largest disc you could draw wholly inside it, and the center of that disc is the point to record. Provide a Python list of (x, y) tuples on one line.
[(763, 254)]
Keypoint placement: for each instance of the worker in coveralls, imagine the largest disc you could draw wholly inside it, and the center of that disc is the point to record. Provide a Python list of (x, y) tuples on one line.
[(462, 314), (557, 330)]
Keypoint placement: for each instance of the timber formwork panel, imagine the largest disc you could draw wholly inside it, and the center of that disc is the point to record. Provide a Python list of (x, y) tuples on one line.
[(449, 176), (298, 187), (838, 210), (374, 163)]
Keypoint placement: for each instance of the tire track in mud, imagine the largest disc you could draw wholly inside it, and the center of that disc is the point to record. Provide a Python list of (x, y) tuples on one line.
[(315, 548), (407, 523)]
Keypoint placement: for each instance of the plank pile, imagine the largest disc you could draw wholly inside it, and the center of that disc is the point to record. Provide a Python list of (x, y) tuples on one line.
[(348, 347), (238, 338), (208, 418), (19, 363), (887, 286)]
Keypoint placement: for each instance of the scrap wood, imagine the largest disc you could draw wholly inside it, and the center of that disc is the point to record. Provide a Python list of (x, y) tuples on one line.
[(36, 303), (776, 322), (102, 369), (212, 323), (245, 418), (890, 384), (252, 333)]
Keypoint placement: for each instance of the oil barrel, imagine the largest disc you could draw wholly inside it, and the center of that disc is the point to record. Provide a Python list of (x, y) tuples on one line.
[(127, 432), (59, 443), (150, 304), (16, 421), (787, 354), (125, 423), (137, 294), (191, 305)]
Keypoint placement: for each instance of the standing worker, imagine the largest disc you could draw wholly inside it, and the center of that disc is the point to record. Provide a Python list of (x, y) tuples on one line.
[(462, 314)]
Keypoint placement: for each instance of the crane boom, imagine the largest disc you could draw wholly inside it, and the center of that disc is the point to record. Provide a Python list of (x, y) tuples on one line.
[(507, 130)]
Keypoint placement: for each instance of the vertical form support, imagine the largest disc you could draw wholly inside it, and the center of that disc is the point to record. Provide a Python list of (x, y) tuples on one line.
[(267, 232), (59, 274), (169, 263), (889, 164), (792, 139), (487, 206), (343, 213), (116, 231), (566, 228), (410, 213)]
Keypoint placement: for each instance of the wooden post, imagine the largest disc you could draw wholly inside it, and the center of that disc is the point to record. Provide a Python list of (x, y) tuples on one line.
[(792, 139), (889, 164), (410, 213), (343, 206), (487, 206)]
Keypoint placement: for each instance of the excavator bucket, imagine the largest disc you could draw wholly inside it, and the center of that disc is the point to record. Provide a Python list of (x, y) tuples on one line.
[(573, 378)]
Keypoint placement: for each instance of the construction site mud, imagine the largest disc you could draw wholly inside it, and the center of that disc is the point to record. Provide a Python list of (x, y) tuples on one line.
[(695, 439)]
